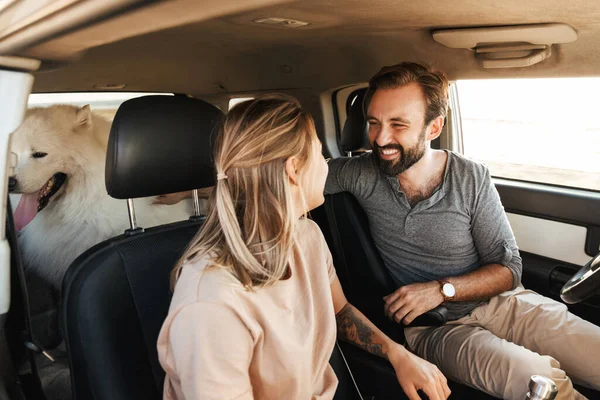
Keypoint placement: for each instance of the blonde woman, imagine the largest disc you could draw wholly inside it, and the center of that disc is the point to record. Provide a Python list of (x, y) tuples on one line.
[(256, 298)]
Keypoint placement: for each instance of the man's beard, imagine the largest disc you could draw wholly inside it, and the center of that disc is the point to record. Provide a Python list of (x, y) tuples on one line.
[(408, 157)]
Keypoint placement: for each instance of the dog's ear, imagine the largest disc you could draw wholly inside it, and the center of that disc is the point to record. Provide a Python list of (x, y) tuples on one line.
[(84, 117)]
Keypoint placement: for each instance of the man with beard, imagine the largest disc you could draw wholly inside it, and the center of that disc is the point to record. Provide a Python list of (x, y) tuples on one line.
[(440, 227)]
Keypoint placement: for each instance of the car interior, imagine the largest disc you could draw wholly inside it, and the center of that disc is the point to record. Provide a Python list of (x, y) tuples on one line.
[(187, 62)]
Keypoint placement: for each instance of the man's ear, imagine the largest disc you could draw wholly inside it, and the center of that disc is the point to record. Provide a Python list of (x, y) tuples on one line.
[(83, 117), (290, 168), (435, 128)]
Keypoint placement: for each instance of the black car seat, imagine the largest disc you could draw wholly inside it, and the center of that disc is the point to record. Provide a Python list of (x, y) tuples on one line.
[(117, 295)]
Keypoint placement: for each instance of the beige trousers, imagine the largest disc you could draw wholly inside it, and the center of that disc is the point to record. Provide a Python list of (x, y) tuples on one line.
[(517, 334)]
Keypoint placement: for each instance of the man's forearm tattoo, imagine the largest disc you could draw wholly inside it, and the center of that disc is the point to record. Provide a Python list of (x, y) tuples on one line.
[(352, 328)]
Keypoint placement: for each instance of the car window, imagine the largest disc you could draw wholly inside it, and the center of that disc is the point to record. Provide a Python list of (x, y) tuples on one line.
[(537, 130), (103, 103)]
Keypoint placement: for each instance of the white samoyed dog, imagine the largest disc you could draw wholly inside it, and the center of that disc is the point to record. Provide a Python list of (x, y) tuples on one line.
[(64, 208)]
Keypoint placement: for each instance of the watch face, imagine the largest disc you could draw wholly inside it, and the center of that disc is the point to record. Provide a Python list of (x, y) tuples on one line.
[(448, 290)]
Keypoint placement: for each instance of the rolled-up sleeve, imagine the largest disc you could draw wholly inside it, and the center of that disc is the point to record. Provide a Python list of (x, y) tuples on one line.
[(211, 349), (493, 236)]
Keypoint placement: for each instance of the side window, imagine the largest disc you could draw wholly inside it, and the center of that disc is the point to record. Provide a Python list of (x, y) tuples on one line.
[(537, 130), (103, 103)]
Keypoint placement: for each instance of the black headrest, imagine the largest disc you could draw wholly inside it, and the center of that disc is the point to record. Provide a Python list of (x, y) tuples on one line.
[(354, 135), (161, 144)]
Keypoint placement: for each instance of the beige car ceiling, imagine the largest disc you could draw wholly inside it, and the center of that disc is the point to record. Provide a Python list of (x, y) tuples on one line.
[(212, 47)]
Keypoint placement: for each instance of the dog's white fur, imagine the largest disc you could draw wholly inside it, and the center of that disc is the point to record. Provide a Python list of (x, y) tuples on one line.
[(80, 214)]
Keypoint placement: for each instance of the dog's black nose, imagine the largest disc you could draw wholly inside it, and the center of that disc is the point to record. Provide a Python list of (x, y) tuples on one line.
[(12, 184)]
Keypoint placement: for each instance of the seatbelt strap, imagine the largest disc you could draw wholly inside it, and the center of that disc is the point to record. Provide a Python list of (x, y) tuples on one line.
[(358, 393), (20, 315), (339, 257)]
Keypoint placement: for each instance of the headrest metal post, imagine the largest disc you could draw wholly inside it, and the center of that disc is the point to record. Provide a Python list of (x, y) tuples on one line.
[(196, 198), (134, 230), (197, 215), (131, 211)]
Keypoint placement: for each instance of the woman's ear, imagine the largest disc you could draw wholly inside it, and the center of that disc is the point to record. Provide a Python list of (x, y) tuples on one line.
[(290, 168)]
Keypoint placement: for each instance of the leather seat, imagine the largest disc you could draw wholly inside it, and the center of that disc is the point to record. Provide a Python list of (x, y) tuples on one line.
[(117, 295)]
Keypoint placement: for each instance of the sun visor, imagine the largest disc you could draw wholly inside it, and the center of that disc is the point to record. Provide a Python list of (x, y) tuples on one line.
[(507, 46), (24, 22)]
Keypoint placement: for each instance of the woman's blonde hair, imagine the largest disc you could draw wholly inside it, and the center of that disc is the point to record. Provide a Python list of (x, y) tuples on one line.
[(250, 226)]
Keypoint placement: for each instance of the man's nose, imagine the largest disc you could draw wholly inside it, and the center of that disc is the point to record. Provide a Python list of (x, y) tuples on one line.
[(12, 183), (384, 136)]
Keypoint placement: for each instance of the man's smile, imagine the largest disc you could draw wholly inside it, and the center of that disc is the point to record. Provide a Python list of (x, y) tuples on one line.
[(388, 154)]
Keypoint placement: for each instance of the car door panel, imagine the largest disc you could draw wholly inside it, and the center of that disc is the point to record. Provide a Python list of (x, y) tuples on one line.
[(557, 232)]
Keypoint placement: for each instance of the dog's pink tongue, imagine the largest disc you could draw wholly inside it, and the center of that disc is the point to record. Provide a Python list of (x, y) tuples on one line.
[(26, 210)]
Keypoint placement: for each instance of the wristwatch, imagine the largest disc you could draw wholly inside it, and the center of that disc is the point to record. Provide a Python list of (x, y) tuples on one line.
[(447, 289)]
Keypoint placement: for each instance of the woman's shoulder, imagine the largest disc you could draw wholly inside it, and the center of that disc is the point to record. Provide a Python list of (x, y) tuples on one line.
[(308, 226), (203, 294), (310, 237), (310, 232), (203, 281)]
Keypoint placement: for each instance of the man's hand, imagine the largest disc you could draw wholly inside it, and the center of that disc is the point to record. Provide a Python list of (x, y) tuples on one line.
[(415, 374), (171, 198), (410, 301), (174, 198)]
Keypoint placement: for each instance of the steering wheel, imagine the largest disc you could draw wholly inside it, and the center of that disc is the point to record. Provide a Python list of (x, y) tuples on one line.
[(585, 283)]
